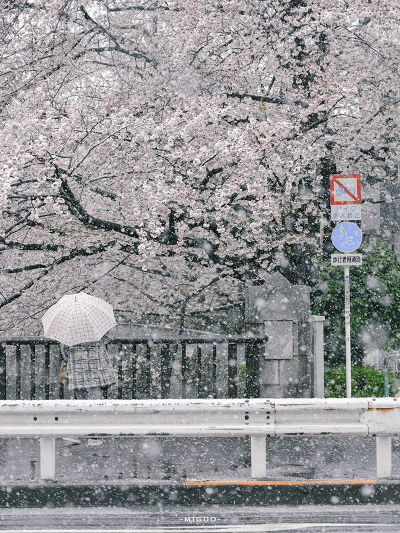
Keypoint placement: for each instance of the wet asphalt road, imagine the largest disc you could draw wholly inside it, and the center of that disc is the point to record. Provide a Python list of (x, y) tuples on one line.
[(205, 518)]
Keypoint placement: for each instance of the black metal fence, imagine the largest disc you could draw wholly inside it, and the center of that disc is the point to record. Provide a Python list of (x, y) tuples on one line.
[(29, 367)]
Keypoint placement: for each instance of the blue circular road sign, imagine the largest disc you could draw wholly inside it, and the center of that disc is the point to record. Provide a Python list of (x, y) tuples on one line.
[(346, 237)]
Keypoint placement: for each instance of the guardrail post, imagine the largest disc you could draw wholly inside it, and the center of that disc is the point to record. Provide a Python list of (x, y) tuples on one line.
[(383, 457), (47, 458), (258, 457)]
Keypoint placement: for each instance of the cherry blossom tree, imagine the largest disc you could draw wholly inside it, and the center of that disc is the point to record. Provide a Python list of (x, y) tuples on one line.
[(158, 138)]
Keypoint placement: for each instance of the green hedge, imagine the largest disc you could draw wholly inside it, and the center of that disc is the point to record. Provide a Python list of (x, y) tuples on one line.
[(366, 381), (375, 304)]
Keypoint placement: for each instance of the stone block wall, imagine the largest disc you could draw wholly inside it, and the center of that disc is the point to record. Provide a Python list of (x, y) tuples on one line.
[(282, 311)]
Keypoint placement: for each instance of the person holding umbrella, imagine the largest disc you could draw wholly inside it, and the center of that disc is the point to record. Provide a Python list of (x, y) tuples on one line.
[(87, 369), (79, 322)]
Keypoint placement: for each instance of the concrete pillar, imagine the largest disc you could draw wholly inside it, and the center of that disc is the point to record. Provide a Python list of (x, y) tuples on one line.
[(383, 457), (258, 457), (47, 458), (318, 356)]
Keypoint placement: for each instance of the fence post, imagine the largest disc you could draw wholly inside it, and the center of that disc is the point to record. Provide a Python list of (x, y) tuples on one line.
[(318, 357), (61, 390), (134, 371), (147, 373), (258, 457), (18, 372), (199, 376), (166, 369), (33, 370), (47, 371), (119, 370), (383, 457), (214, 389), (183, 370), (252, 355), (3, 375), (47, 458), (232, 371)]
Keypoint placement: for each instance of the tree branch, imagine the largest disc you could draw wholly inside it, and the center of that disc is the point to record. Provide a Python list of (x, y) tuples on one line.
[(118, 47), (80, 252), (269, 99), (29, 246), (76, 208)]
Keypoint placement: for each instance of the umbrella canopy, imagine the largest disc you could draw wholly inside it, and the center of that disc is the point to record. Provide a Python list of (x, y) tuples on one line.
[(78, 318)]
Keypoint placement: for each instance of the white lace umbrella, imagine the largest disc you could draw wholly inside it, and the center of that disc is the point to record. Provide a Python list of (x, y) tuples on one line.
[(78, 318)]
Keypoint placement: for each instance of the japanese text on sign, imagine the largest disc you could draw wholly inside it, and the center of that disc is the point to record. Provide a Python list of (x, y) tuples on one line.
[(345, 212), (346, 259)]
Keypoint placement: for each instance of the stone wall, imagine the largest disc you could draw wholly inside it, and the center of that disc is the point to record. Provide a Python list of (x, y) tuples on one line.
[(282, 311)]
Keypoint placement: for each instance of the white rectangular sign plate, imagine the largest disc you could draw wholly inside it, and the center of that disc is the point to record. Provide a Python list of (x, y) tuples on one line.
[(346, 259), (341, 213), (345, 197)]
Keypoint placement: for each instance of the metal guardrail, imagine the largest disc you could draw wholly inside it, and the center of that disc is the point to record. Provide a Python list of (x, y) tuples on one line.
[(109, 418), (208, 418), (257, 418)]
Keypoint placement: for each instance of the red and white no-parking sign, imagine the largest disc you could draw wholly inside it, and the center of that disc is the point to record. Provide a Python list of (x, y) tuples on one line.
[(345, 197)]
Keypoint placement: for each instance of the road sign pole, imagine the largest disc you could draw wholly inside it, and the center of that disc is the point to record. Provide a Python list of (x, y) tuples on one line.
[(347, 324), (346, 237)]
